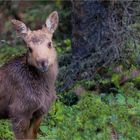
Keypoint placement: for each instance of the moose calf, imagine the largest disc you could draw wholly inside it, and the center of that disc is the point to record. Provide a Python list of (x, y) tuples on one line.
[(27, 83)]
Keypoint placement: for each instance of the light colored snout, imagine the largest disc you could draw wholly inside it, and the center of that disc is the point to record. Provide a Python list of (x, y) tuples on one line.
[(43, 65)]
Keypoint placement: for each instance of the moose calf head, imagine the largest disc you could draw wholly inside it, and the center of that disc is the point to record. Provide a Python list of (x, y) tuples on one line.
[(41, 53)]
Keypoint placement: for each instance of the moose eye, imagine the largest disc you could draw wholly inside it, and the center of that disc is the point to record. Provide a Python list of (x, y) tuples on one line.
[(30, 49), (49, 45)]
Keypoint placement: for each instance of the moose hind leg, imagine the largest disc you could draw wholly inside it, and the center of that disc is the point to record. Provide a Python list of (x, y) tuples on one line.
[(20, 127)]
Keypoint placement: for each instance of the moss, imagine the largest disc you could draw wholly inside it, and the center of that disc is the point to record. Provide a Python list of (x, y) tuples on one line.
[(5, 130)]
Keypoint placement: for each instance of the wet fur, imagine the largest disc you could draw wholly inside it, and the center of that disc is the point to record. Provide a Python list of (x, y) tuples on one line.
[(25, 94)]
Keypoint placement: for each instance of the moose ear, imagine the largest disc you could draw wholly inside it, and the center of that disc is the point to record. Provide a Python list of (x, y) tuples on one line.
[(52, 22), (20, 28)]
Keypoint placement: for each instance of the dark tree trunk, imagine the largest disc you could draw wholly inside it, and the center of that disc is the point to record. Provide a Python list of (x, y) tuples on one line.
[(100, 31), (88, 17), (93, 29)]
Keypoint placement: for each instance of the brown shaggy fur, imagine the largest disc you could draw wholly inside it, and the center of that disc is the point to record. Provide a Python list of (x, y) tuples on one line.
[(26, 94)]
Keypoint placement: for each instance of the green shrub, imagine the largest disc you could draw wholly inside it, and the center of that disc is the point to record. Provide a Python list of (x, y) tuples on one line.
[(95, 118), (5, 130)]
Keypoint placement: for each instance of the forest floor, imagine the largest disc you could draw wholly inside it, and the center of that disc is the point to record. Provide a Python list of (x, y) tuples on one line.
[(102, 108), (107, 107)]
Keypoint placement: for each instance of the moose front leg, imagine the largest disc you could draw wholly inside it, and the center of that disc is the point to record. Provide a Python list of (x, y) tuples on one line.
[(33, 130), (20, 127)]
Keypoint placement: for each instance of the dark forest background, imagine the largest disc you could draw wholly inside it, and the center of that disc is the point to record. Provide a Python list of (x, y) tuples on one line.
[(98, 85)]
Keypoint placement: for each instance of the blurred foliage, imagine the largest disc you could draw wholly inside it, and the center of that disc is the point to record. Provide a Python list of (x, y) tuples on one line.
[(96, 117), (100, 113), (110, 104), (5, 130), (7, 52)]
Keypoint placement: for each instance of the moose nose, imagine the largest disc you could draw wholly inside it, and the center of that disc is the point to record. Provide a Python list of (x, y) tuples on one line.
[(43, 65)]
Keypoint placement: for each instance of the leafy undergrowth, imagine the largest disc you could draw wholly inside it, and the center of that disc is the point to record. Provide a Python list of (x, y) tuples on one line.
[(110, 110), (107, 108), (95, 117), (5, 130), (7, 52)]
